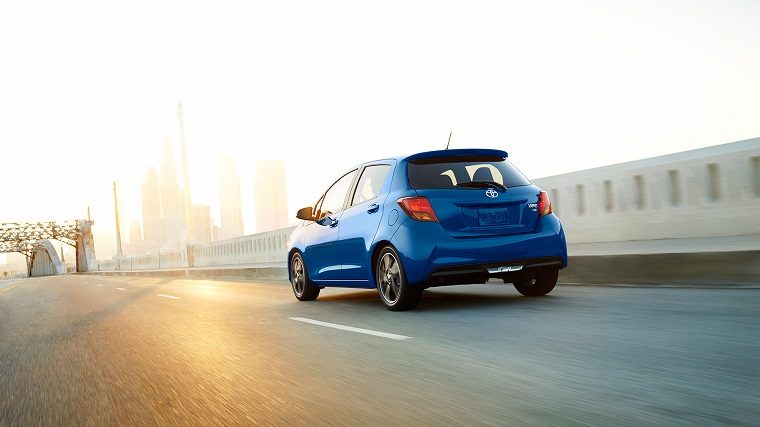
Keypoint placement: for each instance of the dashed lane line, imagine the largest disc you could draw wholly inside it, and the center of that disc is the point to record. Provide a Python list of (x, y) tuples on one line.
[(167, 296), (352, 329)]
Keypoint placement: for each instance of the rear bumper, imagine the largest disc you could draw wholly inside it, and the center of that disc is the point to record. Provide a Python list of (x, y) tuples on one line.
[(432, 257)]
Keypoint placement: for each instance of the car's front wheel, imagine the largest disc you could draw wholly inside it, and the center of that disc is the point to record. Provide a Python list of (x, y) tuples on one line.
[(540, 284), (395, 291), (303, 288)]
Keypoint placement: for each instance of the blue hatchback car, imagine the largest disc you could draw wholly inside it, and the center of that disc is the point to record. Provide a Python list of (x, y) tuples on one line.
[(437, 218)]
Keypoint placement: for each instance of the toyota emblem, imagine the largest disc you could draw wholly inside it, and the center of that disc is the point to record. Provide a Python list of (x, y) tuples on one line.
[(492, 193)]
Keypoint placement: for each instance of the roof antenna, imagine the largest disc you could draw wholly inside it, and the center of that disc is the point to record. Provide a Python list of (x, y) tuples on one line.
[(447, 144)]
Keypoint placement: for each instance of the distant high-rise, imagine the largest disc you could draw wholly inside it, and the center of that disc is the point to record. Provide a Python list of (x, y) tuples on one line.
[(119, 247), (216, 233), (136, 245), (135, 233), (172, 200), (230, 209), (270, 196), (202, 225), (190, 233), (151, 208)]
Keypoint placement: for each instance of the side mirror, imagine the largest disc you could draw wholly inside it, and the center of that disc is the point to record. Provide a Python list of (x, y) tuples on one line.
[(305, 213)]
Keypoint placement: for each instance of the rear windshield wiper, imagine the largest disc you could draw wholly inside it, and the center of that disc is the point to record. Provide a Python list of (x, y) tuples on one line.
[(482, 184)]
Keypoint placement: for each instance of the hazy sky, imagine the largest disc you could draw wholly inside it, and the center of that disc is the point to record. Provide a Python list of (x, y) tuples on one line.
[(88, 89)]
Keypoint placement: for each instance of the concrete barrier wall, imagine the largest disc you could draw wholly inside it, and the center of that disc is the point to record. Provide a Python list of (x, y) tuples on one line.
[(704, 193), (696, 268)]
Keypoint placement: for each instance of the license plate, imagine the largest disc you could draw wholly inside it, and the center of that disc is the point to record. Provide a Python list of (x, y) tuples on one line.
[(492, 216)]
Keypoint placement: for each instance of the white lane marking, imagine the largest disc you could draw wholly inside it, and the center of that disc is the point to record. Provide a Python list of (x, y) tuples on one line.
[(121, 289), (351, 329), (167, 296), (100, 285)]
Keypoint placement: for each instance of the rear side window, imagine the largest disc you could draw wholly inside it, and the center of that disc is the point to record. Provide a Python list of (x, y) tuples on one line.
[(370, 183), (449, 172)]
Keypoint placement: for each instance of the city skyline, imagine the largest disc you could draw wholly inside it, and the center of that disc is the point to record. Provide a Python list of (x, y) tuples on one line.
[(164, 224), (170, 223)]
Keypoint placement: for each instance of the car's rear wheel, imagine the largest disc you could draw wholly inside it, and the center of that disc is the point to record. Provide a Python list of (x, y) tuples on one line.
[(303, 288), (395, 291), (541, 284)]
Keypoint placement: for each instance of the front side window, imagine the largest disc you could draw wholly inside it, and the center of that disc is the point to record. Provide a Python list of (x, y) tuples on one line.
[(463, 173), (335, 197), (370, 183)]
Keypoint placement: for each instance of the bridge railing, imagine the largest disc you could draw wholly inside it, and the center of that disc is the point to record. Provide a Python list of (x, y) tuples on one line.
[(255, 249), (261, 248)]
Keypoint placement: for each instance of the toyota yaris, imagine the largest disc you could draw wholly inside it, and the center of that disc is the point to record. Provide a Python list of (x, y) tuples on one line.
[(431, 219)]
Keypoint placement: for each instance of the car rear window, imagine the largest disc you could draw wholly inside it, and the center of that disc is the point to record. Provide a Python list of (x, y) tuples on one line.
[(448, 172)]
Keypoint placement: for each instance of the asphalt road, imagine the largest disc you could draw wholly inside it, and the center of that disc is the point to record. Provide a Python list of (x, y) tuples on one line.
[(88, 350)]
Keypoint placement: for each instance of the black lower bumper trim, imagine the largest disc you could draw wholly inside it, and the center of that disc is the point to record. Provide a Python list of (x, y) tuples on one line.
[(480, 273)]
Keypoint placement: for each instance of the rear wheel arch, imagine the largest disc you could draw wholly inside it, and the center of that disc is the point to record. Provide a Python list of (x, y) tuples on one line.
[(406, 296), (379, 246)]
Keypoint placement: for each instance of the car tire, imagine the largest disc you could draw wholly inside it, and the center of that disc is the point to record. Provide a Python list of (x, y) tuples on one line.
[(303, 288), (541, 284), (396, 293)]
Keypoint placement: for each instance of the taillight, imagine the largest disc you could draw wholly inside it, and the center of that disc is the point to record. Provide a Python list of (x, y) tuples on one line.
[(544, 205), (418, 208)]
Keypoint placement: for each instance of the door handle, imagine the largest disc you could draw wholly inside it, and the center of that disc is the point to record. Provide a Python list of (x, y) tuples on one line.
[(373, 208)]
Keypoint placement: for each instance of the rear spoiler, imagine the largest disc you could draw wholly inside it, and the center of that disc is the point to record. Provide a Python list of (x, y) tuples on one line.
[(460, 154)]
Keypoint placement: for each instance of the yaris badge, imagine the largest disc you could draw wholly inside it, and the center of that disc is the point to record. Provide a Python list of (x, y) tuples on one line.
[(492, 193)]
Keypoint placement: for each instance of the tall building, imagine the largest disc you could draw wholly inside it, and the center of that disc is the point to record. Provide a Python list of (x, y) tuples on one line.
[(151, 208), (136, 245), (190, 233), (230, 209), (172, 200), (202, 225), (271, 198), (216, 233), (169, 217), (119, 246), (135, 232)]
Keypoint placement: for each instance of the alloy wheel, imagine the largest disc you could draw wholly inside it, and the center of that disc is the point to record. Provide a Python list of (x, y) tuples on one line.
[(298, 279), (389, 278)]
